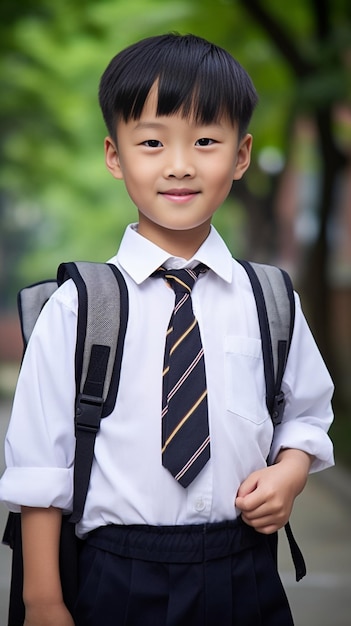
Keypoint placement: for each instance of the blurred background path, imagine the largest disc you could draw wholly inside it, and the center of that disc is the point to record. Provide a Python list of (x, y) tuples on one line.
[(321, 524)]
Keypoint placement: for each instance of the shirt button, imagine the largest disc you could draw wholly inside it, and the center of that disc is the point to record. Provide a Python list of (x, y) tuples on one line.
[(199, 504)]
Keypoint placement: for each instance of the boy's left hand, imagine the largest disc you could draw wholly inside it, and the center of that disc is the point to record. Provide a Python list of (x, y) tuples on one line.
[(267, 496)]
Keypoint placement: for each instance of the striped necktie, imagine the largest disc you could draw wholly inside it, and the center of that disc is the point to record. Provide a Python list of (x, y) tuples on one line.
[(185, 430)]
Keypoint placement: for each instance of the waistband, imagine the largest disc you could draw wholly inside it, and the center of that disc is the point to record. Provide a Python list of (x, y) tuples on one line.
[(175, 544)]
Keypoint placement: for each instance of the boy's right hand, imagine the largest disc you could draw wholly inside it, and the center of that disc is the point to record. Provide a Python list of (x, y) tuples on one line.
[(48, 615)]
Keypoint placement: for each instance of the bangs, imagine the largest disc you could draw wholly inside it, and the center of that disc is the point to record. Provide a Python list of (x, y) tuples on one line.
[(206, 92), (194, 78)]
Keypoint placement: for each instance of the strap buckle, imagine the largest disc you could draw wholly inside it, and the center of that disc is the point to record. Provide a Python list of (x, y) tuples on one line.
[(88, 412), (278, 408)]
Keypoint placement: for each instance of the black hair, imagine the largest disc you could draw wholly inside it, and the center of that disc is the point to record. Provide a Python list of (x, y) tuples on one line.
[(194, 77)]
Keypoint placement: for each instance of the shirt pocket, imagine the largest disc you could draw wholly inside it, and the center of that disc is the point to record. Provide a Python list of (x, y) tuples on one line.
[(244, 378)]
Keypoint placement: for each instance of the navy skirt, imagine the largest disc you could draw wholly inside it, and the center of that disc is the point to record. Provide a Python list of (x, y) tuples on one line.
[(221, 574)]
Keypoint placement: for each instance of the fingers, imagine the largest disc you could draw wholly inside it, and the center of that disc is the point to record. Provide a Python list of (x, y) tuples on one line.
[(265, 522), (248, 486), (265, 501)]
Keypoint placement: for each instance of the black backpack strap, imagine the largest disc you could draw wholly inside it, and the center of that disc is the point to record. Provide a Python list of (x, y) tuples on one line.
[(275, 302), (101, 328), (274, 296)]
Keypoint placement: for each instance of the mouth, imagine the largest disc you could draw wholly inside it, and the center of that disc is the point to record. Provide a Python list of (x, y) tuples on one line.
[(179, 195)]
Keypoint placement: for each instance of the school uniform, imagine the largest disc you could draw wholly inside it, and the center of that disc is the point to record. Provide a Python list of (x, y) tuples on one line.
[(129, 487)]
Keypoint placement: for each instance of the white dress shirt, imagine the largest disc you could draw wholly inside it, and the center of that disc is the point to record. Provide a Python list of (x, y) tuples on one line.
[(128, 483)]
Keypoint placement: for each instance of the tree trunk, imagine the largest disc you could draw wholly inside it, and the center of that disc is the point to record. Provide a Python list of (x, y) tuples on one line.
[(315, 283)]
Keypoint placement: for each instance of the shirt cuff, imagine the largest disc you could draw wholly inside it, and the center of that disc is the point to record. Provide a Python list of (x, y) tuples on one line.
[(37, 487), (306, 437)]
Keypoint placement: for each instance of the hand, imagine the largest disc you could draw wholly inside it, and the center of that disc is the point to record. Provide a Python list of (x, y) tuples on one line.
[(267, 496), (48, 615)]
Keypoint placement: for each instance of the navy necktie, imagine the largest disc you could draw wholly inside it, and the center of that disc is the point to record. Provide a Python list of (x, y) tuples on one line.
[(185, 430)]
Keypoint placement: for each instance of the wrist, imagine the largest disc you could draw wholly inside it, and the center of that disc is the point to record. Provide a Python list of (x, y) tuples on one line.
[(35, 599), (297, 464), (47, 614)]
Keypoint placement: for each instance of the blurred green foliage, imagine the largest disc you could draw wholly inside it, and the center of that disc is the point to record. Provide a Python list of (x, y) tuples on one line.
[(57, 200)]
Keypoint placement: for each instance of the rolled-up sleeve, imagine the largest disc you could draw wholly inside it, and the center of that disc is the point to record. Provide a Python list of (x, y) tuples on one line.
[(308, 392), (40, 442)]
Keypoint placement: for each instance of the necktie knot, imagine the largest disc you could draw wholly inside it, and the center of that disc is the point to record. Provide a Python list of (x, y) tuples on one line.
[(181, 281)]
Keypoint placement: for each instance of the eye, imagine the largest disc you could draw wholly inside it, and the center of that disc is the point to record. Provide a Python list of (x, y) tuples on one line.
[(205, 141), (152, 143)]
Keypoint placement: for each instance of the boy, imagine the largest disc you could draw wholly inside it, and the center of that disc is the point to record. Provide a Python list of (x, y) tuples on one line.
[(164, 549)]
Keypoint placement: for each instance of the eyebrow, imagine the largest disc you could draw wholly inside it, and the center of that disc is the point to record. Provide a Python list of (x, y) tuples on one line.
[(157, 125), (149, 125)]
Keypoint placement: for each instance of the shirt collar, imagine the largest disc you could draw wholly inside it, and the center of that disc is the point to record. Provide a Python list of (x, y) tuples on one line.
[(139, 257)]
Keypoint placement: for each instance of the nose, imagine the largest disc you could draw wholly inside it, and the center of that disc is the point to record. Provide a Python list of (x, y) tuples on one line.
[(179, 165)]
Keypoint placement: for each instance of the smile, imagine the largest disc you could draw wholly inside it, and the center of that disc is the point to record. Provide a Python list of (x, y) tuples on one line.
[(179, 195)]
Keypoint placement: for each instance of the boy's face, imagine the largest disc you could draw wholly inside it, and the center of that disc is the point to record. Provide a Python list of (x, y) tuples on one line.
[(176, 171)]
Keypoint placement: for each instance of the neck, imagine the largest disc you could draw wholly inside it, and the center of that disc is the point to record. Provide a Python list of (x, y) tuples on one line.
[(180, 243)]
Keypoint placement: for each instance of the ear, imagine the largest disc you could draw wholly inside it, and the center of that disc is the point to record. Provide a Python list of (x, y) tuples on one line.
[(112, 158), (243, 156)]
